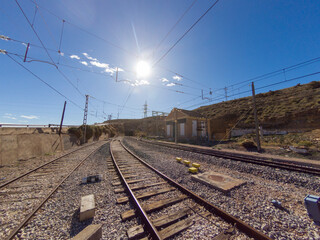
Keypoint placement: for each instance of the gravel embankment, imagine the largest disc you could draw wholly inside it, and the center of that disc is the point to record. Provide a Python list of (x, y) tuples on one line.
[(250, 202), (59, 216), (8, 172)]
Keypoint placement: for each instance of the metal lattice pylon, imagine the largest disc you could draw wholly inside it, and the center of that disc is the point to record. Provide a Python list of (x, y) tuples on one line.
[(85, 116)]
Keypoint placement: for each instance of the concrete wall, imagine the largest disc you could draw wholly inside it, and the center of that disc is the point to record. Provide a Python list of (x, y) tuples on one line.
[(25, 143)]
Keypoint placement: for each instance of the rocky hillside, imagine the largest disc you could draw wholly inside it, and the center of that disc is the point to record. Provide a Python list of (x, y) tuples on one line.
[(295, 107)]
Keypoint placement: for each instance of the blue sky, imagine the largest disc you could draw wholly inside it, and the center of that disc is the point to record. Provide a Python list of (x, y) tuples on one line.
[(234, 42)]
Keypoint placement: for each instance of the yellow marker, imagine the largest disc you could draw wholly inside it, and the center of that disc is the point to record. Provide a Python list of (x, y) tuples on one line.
[(186, 162), (178, 159), (193, 170), (196, 165)]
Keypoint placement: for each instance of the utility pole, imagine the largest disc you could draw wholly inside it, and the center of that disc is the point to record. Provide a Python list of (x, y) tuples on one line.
[(226, 93), (176, 126), (256, 118), (145, 109), (62, 117), (85, 119)]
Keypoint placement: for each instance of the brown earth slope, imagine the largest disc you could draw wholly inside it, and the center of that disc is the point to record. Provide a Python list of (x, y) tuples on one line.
[(296, 107)]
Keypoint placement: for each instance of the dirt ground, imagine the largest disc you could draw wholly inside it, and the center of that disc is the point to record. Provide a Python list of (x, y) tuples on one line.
[(298, 145)]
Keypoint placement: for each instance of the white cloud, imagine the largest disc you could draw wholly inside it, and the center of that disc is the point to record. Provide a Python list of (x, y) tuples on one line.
[(61, 53), (100, 65), (75, 56), (176, 77), (164, 80), (29, 117), (170, 84), (9, 117), (90, 58), (84, 63), (140, 82), (106, 67)]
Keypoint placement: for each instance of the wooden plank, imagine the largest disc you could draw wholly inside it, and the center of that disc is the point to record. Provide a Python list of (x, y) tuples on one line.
[(155, 192), (163, 203), (116, 183), (135, 231), (128, 214), (176, 228), (153, 206), (91, 232), (119, 190), (167, 219), (130, 176), (146, 194), (122, 200), (140, 180)]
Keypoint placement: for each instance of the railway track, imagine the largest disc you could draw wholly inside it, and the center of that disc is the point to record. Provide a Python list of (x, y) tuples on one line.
[(24, 195), (275, 163), (164, 207)]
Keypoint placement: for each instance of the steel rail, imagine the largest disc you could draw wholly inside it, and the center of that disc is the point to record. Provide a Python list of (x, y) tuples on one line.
[(148, 224), (35, 169), (30, 215), (244, 227), (276, 163)]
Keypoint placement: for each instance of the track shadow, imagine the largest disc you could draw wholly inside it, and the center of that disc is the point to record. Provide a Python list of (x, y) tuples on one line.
[(76, 225)]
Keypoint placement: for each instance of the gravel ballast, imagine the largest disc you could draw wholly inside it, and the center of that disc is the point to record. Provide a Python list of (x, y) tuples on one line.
[(59, 216), (250, 202)]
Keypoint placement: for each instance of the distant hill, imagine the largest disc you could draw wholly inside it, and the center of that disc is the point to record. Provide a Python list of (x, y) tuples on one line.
[(294, 107)]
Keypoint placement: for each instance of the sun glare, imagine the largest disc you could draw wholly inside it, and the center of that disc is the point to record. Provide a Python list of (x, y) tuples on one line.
[(143, 69)]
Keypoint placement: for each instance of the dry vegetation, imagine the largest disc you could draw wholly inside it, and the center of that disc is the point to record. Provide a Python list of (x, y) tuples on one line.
[(295, 107)]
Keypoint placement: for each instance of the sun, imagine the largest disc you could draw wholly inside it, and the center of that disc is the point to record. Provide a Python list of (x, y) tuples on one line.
[(143, 69)]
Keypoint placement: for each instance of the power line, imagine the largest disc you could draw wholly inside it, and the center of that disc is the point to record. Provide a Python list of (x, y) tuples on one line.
[(43, 81), (173, 27), (164, 55), (34, 31), (84, 30), (269, 85)]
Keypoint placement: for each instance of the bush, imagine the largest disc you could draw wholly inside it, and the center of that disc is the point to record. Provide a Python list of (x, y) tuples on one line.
[(97, 132), (248, 144), (305, 143), (76, 132)]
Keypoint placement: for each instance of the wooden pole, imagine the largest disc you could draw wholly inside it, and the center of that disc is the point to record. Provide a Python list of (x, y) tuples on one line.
[(62, 117), (256, 118), (60, 129), (176, 127)]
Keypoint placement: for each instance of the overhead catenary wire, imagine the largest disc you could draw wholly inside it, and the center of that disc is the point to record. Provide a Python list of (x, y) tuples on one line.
[(183, 35), (43, 81), (84, 30), (173, 27), (35, 32), (258, 88)]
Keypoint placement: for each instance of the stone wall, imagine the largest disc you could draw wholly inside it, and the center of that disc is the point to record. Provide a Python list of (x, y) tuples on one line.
[(25, 143)]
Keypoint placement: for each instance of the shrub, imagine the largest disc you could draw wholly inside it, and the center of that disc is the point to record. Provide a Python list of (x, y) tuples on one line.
[(76, 132), (305, 143), (248, 144)]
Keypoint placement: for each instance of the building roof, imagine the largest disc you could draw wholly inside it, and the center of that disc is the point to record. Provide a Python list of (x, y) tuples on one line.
[(190, 113), (182, 113)]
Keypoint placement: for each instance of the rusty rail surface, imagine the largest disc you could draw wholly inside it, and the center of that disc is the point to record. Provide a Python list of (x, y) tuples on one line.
[(276, 163), (242, 226), (30, 215), (47, 163), (148, 224)]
